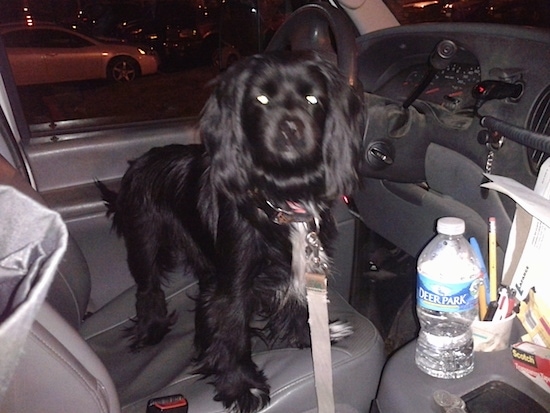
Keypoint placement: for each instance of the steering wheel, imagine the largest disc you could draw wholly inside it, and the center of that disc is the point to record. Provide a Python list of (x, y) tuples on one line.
[(324, 28)]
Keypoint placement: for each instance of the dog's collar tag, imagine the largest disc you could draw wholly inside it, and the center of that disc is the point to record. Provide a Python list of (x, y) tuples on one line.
[(314, 262)]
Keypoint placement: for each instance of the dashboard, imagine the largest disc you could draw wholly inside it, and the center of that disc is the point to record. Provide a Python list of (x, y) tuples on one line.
[(393, 62), (450, 87), (427, 160)]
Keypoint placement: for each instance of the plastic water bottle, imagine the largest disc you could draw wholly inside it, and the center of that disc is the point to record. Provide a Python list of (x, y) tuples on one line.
[(446, 302)]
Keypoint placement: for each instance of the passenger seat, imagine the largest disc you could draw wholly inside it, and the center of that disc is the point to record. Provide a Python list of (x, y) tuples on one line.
[(73, 362)]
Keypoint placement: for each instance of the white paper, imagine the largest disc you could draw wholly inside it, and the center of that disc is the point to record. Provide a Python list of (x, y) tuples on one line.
[(527, 256), (533, 203)]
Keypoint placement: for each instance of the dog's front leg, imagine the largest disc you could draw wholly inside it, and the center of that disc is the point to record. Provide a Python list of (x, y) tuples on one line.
[(223, 338), (223, 342)]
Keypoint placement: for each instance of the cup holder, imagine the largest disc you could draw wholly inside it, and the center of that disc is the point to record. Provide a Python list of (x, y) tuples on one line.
[(499, 397)]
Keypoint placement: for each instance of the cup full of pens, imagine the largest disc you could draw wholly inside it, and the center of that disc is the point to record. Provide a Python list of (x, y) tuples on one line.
[(497, 304)]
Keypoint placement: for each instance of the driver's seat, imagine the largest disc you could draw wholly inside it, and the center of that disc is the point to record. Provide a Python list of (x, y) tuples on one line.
[(77, 363)]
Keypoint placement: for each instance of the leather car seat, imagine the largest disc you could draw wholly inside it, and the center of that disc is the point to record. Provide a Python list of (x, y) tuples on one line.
[(72, 363)]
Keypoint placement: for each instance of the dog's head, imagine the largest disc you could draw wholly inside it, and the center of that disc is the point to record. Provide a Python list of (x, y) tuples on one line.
[(285, 124)]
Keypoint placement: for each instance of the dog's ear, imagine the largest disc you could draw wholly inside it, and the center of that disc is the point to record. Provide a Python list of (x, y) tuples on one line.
[(343, 132), (222, 133)]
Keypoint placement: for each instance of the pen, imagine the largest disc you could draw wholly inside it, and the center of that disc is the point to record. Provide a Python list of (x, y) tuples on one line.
[(506, 304), (483, 292), (493, 259), (502, 306), (491, 310), (482, 301), (477, 250)]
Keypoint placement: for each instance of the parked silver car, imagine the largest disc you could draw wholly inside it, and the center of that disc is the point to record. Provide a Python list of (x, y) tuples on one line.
[(45, 53)]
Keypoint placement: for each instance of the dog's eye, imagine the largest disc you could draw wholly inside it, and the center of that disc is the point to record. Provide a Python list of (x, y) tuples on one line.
[(312, 99), (262, 99)]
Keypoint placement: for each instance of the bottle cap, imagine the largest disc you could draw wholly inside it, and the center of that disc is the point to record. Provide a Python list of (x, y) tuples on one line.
[(451, 226)]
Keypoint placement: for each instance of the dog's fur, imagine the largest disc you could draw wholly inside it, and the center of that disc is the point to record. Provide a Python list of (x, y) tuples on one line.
[(280, 129)]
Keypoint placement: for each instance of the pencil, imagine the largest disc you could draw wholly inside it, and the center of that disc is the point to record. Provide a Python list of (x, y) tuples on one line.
[(493, 259)]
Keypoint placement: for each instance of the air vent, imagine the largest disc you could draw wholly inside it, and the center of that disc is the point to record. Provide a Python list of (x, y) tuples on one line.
[(539, 121)]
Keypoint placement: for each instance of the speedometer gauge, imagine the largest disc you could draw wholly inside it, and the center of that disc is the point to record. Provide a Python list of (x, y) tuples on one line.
[(452, 86)]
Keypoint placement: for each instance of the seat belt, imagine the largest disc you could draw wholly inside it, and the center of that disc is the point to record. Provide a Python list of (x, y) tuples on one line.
[(316, 293), (317, 303)]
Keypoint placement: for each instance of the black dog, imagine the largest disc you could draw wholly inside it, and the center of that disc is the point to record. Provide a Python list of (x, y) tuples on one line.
[(281, 137)]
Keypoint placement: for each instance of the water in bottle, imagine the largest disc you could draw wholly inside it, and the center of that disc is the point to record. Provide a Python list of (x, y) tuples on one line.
[(448, 279)]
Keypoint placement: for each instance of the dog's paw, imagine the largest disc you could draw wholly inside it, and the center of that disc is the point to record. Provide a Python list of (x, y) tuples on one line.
[(150, 332), (242, 391), (250, 402), (339, 330)]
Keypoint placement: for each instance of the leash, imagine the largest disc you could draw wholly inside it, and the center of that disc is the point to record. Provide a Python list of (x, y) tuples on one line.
[(316, 293), (317, 304)]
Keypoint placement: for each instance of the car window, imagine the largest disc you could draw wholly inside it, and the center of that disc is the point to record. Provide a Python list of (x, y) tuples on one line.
[(57, 39), (175, 48), (43, 38), (18, 38), (170, 50)]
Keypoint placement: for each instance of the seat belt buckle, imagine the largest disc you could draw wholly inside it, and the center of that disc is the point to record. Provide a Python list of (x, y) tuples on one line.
[(168, 404)]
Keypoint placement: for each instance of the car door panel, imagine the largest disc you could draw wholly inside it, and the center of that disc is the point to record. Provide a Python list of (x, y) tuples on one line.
[(73, 64), (28, 65), (64, 162), (69, 57), (65, 165)]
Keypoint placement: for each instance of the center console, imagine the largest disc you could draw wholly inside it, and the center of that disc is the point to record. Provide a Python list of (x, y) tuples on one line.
[(495, 386)]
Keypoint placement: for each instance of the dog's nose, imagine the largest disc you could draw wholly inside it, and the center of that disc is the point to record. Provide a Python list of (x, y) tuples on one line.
[(292, 131)]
